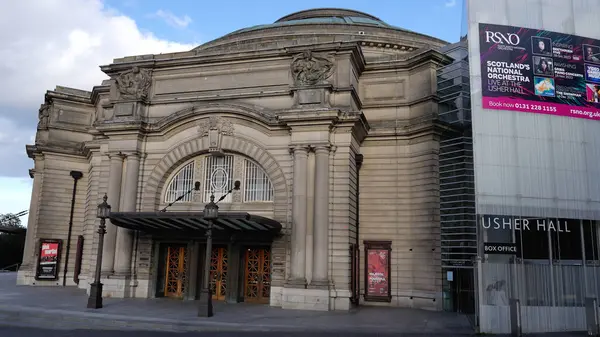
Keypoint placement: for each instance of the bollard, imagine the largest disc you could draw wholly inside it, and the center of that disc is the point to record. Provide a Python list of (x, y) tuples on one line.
[(591, 316), (515, 317)]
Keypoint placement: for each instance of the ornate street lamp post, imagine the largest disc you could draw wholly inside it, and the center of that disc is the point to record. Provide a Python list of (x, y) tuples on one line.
[(95, 299), (211, 214)]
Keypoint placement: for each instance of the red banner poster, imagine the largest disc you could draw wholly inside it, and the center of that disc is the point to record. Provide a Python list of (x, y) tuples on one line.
[(49, 255), (378, 273)]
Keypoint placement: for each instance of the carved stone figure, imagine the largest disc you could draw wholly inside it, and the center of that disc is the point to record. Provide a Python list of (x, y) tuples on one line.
[(309, 69), (43, 116), (134, 83)]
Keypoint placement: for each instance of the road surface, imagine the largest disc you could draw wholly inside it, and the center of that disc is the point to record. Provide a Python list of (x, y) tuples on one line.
[(7, 331)]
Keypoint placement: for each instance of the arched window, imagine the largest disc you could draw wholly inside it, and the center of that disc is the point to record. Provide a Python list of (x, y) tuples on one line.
[(182, 182), (257, 186), (217, 174)]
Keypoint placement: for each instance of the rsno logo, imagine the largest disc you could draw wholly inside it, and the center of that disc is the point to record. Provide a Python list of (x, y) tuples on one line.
[(497, 37)]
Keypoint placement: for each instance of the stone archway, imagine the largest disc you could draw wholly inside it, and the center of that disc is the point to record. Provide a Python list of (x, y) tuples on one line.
[(197, 146)]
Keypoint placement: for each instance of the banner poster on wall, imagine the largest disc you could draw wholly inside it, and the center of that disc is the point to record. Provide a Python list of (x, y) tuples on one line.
[(48, 260), (539, 71), (378, 273)]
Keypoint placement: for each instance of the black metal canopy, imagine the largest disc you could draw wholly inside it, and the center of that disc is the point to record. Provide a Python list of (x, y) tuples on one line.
[(228, 223)]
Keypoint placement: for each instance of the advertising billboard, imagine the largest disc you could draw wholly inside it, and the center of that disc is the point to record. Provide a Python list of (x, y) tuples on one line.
[(377, 271), (539, 71), (48, 259)]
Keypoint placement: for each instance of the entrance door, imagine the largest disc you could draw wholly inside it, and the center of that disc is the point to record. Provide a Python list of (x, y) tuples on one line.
[(257, 281), (175, 271), (218, 273)]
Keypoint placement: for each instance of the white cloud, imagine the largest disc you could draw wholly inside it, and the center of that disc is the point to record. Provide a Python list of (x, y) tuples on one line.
[(173, 20), (450, 3), (48, 43), (45, 43), (15, 196)]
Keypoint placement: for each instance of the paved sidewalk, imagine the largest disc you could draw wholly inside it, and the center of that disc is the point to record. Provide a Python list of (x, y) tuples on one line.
[(65, 308)]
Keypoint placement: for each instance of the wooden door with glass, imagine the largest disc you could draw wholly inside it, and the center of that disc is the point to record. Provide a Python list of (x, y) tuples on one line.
[(175, 271), (218, 273), (257, 278)]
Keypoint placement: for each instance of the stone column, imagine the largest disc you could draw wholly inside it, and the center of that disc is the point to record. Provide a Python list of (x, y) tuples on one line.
[(125, 236), (320, 277), (233, 272), (192, 270), (115, 176), (298, 258)]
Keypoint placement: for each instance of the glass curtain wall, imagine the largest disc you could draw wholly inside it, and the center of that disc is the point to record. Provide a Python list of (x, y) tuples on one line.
[(457, 190)]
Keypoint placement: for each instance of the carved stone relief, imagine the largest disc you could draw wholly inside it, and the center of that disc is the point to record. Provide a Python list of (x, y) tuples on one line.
[(238, 174), (199, 174), (310, 69), (134, 83), (44, 116), (215, 128)]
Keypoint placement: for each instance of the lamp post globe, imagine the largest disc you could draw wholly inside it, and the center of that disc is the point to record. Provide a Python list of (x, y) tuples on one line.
[(95, 298), (211, 210), (103, 211)]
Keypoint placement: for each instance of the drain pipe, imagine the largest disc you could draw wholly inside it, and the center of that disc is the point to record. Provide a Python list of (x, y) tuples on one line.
[(76, 176), (359, 161)]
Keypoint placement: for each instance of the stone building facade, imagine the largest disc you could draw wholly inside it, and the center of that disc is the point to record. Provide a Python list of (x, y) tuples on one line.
[(327, 117)]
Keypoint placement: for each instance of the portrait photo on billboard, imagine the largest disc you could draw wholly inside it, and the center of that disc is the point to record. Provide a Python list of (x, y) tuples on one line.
[(543, 66), (593, 93), (591, 53), (541, 45), (538, 71)]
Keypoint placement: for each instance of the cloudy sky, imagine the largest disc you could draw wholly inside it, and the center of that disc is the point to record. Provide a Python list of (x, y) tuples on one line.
[(44, 43)]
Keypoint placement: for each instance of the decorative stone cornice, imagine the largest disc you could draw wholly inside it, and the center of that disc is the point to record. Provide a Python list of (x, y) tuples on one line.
[(251, 112), (388, 45), (408, 61), (408, 129), (99, 90), (68, 148), (191, 58)]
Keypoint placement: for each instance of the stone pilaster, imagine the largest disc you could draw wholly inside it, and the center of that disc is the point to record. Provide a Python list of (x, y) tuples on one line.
[(299, 208), (28, 256), (320, 276), (125, 236), (114, 198)]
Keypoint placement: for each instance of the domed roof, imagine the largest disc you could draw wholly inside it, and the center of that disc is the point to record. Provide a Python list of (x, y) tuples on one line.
[(324, 16), (321, 24)]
